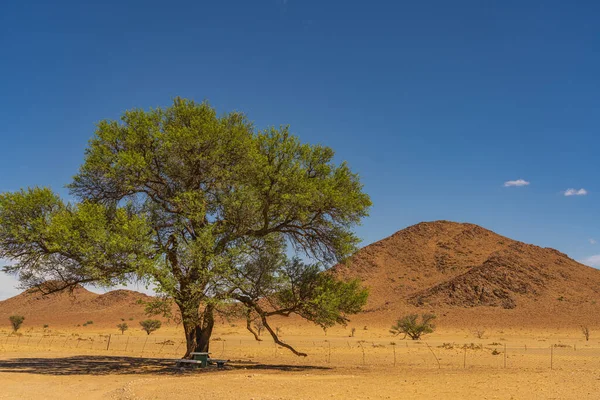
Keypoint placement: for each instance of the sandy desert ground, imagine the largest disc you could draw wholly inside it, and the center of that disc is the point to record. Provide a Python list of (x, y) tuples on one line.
[(452, 364)]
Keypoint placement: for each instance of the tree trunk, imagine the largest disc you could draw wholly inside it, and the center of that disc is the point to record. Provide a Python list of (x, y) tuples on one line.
[(198, 329)]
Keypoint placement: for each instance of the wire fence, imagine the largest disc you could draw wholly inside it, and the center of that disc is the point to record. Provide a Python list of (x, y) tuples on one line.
[(325, 352)]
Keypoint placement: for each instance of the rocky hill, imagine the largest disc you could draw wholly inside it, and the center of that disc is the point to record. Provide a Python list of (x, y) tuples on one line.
[(465, 274), (469, 275)]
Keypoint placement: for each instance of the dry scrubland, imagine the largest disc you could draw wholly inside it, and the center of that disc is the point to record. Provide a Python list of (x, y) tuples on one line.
[(455, 364), (529, 300)]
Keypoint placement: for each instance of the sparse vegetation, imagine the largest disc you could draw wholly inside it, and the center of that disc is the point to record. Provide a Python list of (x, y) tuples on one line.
[(352, 332), (123, 327), (410, 326), (150, 325), (88, 323), (586, 332), (16, 321), (479, 333)]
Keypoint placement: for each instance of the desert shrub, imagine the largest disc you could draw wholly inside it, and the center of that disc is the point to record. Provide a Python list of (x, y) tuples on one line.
[(586, 332), (495, 352), (88, 323), (150, 325), (352, 332), (16, 321), (46, 326), (410, 326), (472, 346), (479, 333), (562, 345), (123, 327)]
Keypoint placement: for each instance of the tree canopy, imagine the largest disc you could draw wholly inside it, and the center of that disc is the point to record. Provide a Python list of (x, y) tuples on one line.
[(205, 207)]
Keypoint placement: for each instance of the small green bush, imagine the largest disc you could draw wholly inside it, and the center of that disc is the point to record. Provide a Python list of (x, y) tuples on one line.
[(16, 321), (410, 326), (123, 327), (150, 325)]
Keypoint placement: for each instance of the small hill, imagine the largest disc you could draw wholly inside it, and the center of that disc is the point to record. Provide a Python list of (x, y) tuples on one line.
[(75, 308), (469, 275)]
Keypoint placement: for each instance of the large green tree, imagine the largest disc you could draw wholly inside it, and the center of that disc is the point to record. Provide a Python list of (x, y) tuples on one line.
[(207, 209)]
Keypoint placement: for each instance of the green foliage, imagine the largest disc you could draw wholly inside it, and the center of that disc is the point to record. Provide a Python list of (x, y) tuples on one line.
[(193, 203), (317, 296), (16, 321), (69, 244), (88, 323), (150, 325), (123, 327), (410, 326)]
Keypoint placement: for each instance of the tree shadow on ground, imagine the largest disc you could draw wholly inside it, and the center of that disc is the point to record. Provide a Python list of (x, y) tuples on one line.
[(116, 365)]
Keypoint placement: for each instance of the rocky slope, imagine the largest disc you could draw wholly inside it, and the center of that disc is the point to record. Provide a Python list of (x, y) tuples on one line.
[(468, 274)]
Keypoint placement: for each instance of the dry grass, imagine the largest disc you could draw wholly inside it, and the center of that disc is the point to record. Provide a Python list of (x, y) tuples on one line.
[(68, 361)]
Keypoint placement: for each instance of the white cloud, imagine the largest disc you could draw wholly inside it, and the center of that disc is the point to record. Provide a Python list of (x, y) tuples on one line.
[(592, 261), (575, 192), (518, 182), (593, 241)]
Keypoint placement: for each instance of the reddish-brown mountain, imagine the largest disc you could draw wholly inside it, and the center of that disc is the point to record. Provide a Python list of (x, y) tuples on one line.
[(470, 275), (467, 275), (78, 307)]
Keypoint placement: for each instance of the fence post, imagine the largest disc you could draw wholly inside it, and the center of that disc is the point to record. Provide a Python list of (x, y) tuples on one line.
[(363, 351), (551, 357), (108, 345), (436, 359), (178, 346), (465, 358), (143, 347), (504, 355)]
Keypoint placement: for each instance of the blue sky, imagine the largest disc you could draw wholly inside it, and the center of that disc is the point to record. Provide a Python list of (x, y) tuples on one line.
[(435, 104)]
